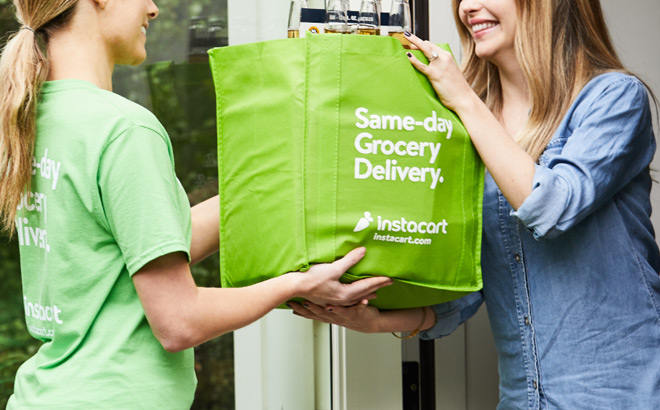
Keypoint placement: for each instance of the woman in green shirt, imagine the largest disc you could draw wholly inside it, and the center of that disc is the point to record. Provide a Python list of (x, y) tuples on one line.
[(105, 230)]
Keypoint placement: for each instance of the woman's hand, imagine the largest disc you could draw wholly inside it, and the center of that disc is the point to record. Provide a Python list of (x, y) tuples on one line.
[(510, 166), (320, 284), (182, 315), (360, 317), (443, 73), (367, 319)]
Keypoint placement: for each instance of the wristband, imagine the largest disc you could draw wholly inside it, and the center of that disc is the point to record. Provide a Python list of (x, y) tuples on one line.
[(416, 331)]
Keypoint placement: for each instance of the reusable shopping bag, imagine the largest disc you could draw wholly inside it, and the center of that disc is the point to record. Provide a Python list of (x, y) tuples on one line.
[(331, 142)]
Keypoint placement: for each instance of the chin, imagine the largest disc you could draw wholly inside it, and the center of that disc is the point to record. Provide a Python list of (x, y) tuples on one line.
[(139, 60), (484, 52), (483, 56), (134, 60)]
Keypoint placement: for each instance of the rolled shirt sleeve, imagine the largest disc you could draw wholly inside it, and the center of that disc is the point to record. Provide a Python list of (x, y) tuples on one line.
[(450, 315), (605, 140)]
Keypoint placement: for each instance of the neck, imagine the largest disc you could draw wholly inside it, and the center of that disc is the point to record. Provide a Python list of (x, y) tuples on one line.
[(77, 52), (516, 98), (514, 87)]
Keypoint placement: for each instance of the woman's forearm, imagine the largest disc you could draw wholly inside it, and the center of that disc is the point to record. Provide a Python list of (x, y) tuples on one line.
[(182, 315), (405, 320), (216, 311), (510, 166)]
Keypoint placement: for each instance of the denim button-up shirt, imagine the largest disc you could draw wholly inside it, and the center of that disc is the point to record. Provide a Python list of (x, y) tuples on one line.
[(571, 278)]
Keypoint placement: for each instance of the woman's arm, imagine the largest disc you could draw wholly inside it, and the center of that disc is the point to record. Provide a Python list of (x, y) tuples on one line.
[(510, 166), (430, 321), (368, 319), (182, 315), (205, 229)]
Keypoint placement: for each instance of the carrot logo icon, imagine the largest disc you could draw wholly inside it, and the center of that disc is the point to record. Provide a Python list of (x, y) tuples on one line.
[(363, 223)]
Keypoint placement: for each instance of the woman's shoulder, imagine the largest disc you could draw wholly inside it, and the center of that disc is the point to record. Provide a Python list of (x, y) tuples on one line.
[(608, 89), (129, 113), (612, 81), (103, 109)]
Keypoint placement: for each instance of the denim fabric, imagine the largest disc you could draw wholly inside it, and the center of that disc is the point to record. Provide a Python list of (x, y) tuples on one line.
[(571, 278)]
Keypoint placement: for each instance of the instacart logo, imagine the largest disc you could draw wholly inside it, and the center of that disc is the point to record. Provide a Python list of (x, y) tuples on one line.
[(364, 222), (402, 225)]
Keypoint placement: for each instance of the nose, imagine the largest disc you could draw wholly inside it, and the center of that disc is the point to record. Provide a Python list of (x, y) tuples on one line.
[(153, 11), (470, 6)]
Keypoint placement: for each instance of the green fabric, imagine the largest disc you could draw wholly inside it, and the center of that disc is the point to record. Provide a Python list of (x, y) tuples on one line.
[(104, 201), (323, 139)]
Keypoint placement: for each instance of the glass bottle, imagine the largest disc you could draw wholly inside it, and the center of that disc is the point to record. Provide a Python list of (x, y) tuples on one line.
[(294, 17), (369, 18), (198, 39), (336, 16), (400, 21), (217, 33), (379, 9)]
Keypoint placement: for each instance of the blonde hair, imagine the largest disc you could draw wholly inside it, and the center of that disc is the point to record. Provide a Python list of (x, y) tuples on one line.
[(560, 45), (23, 69)]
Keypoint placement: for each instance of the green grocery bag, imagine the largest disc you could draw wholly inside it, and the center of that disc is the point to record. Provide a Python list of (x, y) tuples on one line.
[(331, 142)]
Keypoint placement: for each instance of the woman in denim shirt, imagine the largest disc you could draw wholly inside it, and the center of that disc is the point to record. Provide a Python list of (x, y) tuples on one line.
[(570, 263)]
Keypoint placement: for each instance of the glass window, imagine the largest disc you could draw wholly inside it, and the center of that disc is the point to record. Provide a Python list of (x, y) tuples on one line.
[(175, 83)]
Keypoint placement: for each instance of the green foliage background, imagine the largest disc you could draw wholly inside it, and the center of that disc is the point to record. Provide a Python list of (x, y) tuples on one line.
[(180, 93)]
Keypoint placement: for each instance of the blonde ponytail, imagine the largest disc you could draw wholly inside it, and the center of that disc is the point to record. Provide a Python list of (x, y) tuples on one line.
[(23, 69)]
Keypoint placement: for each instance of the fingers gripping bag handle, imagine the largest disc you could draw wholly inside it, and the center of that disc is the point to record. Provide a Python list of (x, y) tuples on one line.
[(355, 150)]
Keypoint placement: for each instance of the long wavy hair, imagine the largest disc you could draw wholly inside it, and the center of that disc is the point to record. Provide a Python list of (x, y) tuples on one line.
[(23, 69), (560, 45)]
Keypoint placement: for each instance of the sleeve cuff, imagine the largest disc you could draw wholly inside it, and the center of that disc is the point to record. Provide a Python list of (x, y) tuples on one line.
[(450, 315), (541, 211), (135, 264)]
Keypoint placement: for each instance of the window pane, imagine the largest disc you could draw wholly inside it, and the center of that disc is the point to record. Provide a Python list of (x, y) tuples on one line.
[(175, 84)]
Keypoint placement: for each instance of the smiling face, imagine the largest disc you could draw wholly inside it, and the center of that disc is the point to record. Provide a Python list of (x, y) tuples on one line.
[(492, 24), (124, 26)]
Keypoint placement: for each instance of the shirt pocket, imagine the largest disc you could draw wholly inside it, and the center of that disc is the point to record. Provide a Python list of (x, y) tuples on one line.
[(552, 150)]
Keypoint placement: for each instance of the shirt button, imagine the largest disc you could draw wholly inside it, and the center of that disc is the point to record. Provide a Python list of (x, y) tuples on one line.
[(536, 386), (517, 256), (527, 320)]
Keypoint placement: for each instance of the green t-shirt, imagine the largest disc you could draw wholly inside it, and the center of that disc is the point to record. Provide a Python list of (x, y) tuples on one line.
[(104, 201)]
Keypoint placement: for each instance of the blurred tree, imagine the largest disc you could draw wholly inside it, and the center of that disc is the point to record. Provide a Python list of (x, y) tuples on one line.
[(181, 95)]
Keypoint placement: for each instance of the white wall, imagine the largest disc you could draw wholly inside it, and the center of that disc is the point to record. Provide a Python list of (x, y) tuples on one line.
[(636, 33), (256, 20)]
